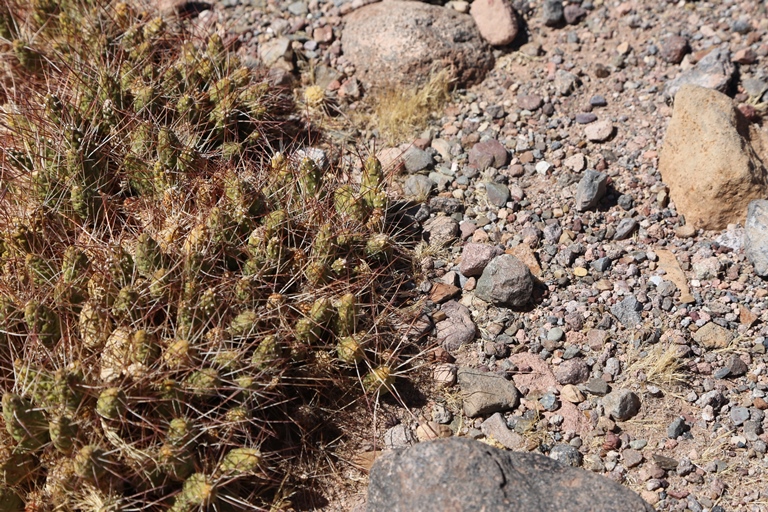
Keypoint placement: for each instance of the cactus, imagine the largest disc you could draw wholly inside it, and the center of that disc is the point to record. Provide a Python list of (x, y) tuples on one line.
[(26, 424), (267, 353), (43, 322), (177, 462), (16, 466), (95, 326), (148, 257), (63, 431), (372, 181), (379, 379), (199, 492), (348, 349), (245, 324), (346, 315), (240, 461), (348, 204), (90, 463), (10, 501), (203, 382), (111, 404)]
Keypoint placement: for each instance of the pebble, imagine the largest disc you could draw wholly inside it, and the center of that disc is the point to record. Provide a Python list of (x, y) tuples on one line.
[(498, 193), (576, 163), (399, 436), (631, 458), (565, 82), (495, 427), (756, 236), (626, 227), (590, 190), (736, 366), (597, 387), (621, 404), (628, 311), (586, 118), (415, 159), (418, 186), (674, 48), (713, 336), (552, 13), (738, 415), (566, 454), (529, 102), (573, 371), (677, 428), (487, 154), (599, 131), (572, 394), (598, 101), (574, 14), (457, 329), (444, 375), (506, 281), (485, 393)]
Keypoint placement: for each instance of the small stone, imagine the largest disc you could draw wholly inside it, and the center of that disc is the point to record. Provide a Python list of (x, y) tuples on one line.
[(677, 428), (686, 231), (631, 458), (490, 153), (496, 20), (738, 415), (457, 329), (664, 462), (574, 13), (444, 375), (621, 404), (416, 159), (626, 227), (529, 102), (543, 167), (475, 257), (714, 71), (485, 393), (597, 387), (736, 366), (565, 82), (599, 131), (498, 194), (496, 428), (573, 371), (576, 163), (506, 281), (598, 101), (625, 201), (442, 230), (399, 436), (572, 394), (674, 48), (552, 13), (549, 402), (580, 272), (712, 336), (586, 118), (628, 311), (590, 190), (277, 52), (441, 414), (566, 454), (442, 292), (430, 430), (418, 187), (555, 334), (601, 264)]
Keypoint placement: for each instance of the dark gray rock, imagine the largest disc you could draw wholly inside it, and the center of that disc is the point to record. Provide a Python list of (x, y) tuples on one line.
[(566, 454), (756, 236), (448, 205), (457, 329), (484, 393), (552, 13), (677, 428), (714, 71), (626, 227), (598, 101), (506, 281), (498, 193), (602, 264), (464, 475), (736, 366), (399, 42), (590, 190), (586, 118), (739, 415), (621, 404), (628, 311)]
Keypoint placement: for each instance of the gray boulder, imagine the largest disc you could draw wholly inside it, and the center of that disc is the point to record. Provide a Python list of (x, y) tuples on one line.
[(506, 281), (464, 475), (756, 236), (400, 42)]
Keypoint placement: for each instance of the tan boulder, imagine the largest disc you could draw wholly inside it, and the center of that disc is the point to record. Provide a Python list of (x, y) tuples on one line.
[(712, 159)]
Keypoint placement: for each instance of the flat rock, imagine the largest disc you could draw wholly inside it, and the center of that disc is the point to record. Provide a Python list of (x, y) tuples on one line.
[(461, 474), (496, 20), (457, 329), (572, 371), (756, 236), (442, 230), (590, 190), (497, 193), (712, 160), (715, 71), (496, 428), (529, 102), (506, 281), (418, 187), (401, 42), (628, 311), (415, 159), (485, 393)]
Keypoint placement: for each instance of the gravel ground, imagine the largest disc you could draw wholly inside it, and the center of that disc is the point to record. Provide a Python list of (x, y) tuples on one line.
[(629, 297)]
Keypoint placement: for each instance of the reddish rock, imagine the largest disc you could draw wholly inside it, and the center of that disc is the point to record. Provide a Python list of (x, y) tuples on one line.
[(674, 48), (490, 153), (496, 20), (745, 56)]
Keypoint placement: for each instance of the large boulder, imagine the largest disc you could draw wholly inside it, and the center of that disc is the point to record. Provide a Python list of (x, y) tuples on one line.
[(461, 474), (401, 42), (712, 160)]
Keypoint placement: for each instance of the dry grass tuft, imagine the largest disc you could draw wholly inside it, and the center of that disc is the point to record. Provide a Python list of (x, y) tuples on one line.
[(661, 366)]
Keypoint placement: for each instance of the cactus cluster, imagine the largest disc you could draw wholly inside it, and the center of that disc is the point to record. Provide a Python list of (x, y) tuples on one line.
[(175, 297)]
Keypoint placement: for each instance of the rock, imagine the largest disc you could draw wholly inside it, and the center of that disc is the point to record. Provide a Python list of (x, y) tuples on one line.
[(552, 13), (571, 393), (496, 20), (674, 48), (430, 430), (485, 393), (626, 227), (565, 82), (585, 118), (442, 230), (401, 42), (739, 415), (712, 336), (714, 71), (444, 375), (415, 159), (417, 187), (506, 281), (574, 13), (677, 428), (631, 458), (598, 101), (496, 427), (399, 436), (712, 170), (181, 8), (599, 131), (457, 329), (468, 475), (529, 102), (597, 387), (497, 193), (573, 371), (490, 153), (590, 190), (621, 404), (277, 53), (442, 292), (475, 257), (756, 236), (576, 163), (736, 366), (566, 455), (628, 311)]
